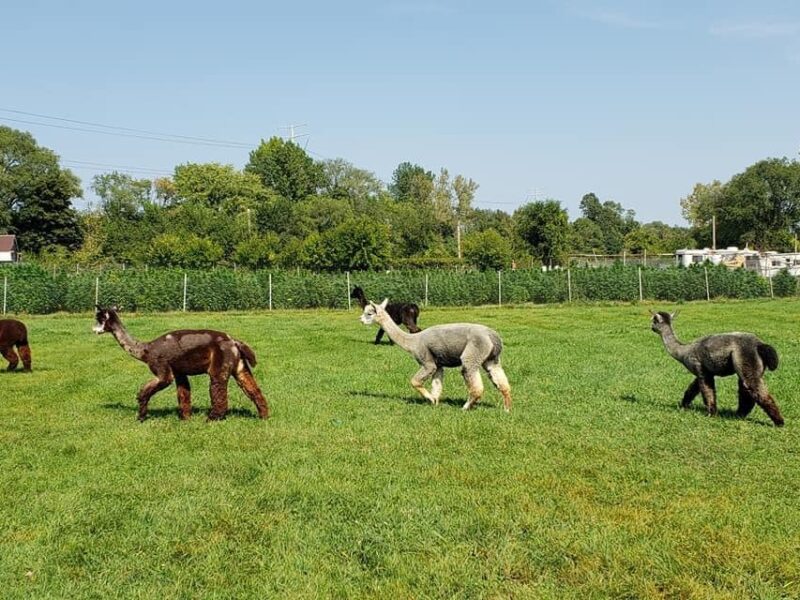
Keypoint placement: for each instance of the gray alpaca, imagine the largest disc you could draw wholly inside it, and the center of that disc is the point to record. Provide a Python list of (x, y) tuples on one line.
[(464, 345), (721, 355)]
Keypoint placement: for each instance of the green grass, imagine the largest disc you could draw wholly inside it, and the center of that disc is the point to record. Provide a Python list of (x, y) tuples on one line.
[(595, 486)]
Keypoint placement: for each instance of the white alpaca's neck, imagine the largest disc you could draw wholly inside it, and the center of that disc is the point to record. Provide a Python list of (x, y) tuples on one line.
[(397, 335)]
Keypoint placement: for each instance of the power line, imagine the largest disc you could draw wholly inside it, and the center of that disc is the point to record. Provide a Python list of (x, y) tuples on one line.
[(131, 129)]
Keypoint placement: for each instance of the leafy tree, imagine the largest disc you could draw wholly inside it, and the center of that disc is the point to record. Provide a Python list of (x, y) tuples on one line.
[(344, 181), (658, 238), (286, 168), (614, 221), (36, 194), (258, 252), (761, 206), (586, 237), (488, 250), (482, 219), (705, 201), (218, 186), (412, 227), (543, 227), (188, 251), (442, 203), (411, 183), (121, 196), (358, 244), (318, 214)]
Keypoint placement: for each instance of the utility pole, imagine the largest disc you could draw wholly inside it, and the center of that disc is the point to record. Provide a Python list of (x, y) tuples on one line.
[(714, 233), (292, 135), (458, 237)]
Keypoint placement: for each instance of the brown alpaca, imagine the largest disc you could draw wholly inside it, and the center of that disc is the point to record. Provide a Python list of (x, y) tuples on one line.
[(178, 354), (13, 333)]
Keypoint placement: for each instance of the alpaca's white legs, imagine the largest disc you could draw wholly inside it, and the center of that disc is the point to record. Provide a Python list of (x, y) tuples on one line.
[(436, 385), (474, 385), (418, 381), (500, 381)]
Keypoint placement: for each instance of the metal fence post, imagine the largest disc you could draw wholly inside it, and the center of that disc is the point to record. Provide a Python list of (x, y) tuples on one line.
[(349, 301), (499, 288), (96, 290), (708, 291), (569, 285), (641, 290), (270, 291), (426, 289), (185, 284)]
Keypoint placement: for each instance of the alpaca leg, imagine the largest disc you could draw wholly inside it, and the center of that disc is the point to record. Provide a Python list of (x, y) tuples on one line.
[(379, 335), (500, 381), (474, 385), (11, 357), (418, 381), (218, 390), (220, 369), (709, 392), (767, 402), (25, 354), (246, 381), (746, 400), (690, 393), (148, 390), (437, 384), (184, 396)]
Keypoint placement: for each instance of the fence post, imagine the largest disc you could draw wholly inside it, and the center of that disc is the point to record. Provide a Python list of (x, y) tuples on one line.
[(708, 292), (349, 301), (645, 257), (96, 290), (771, 292), (641, 289), (499, 288), (270, 291), (5, 292), (185, 283), (569, 285), (426, 289)]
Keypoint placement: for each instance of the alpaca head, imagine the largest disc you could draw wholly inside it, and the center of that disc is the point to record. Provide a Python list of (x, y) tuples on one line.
[(357, 293), (105, 319), (662, 320), (374, 312)]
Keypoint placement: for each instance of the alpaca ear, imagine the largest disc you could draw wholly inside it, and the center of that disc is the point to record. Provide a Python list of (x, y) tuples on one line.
[(657, 317), (384, 303), (673, 315)]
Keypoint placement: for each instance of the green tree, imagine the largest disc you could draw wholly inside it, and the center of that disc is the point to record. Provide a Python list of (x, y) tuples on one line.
[(36, 194), (488, 250), (121, 195), (705, 202), (411, 183), (286, 168), (658, 238), (761, 206), (189, 251), (586, 237), (258, 252), (218, 186), (358, 244), (544, 228), (344, 181), (614, 221)]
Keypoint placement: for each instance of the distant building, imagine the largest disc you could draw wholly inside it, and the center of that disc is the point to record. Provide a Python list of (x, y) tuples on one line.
[(9, 252), (766, 263)]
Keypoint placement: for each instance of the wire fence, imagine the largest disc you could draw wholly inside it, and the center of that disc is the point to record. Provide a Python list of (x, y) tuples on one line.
[(31, 289)]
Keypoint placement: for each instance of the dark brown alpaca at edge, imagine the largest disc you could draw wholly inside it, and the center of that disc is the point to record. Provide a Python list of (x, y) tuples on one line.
[(402, 313), (13, 333), (178, 354), (720, 355)]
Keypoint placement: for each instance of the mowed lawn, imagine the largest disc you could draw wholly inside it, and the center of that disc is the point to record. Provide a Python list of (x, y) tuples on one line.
[(595, 486)]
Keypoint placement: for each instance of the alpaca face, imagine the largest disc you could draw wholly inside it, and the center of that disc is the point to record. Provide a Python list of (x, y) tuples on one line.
[(104, 318), (373, 312), (662, 321)]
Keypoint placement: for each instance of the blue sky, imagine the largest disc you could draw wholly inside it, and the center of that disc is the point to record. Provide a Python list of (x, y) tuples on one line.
[(633, 100)]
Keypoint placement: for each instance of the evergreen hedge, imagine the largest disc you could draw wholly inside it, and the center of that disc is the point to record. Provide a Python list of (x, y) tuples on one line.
[(31, 289)]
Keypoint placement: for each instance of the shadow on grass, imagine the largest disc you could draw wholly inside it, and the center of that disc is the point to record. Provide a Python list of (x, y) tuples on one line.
[(459, 402), (161, 413), (697, 407)]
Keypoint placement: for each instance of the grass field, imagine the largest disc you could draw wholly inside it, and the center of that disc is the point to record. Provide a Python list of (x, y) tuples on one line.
[(595, 486)]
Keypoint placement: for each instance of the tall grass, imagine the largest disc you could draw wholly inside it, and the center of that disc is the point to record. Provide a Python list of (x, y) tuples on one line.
[(595, 486)]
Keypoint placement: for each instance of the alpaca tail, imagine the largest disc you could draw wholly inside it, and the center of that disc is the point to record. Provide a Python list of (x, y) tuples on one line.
[(769, 355), (247, 353)]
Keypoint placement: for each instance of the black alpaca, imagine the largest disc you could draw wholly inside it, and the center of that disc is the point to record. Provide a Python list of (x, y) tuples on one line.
[(402, 313)]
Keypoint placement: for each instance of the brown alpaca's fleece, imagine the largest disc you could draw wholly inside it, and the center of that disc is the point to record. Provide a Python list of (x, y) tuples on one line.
[(13, 333)]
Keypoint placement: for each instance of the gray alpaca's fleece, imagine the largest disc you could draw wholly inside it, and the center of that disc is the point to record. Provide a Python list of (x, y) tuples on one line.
[(742, 354), (466, 345)]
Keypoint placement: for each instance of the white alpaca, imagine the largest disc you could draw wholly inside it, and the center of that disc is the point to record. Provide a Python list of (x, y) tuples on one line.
[(466, 345)]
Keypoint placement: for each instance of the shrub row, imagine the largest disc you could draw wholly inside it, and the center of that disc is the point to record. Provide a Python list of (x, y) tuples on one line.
[(31, 289)]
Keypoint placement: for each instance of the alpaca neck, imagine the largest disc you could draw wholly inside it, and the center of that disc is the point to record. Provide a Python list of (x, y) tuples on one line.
[(397, 335), (673, 346), (362, 301), (130, 344)]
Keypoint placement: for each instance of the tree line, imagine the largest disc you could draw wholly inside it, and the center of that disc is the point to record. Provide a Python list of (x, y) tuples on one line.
[(284, 209)]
